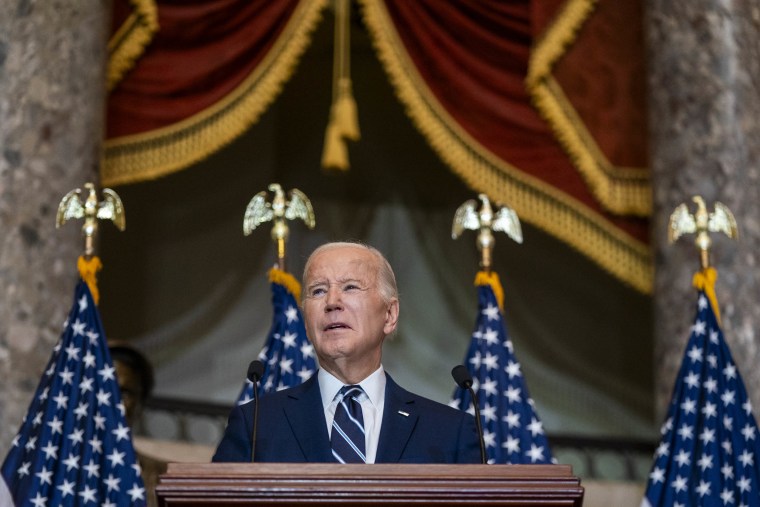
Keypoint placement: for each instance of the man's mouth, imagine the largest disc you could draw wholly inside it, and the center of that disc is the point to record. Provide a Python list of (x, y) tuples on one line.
[(335, 325)]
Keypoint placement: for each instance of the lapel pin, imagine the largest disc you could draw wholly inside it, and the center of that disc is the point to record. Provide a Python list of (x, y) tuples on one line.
[(405, 414)]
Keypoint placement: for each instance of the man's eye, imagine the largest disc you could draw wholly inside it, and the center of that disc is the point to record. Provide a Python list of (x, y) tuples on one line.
[(351, 287), (317, 292)]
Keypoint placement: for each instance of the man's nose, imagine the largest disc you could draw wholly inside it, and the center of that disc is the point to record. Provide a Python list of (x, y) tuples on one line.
[(333, 299)]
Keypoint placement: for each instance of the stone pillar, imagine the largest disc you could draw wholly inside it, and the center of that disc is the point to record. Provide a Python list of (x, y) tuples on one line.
[(704, 102), (52, 93)]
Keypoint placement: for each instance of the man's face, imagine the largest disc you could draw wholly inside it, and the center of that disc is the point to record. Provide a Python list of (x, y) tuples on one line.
[(344, 312)]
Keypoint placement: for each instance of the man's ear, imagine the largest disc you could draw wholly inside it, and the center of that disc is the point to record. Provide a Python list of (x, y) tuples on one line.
[(391, 317)]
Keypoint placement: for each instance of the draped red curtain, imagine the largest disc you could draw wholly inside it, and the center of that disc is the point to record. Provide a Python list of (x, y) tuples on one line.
[(481, 80), (537, 103), (204, 77)]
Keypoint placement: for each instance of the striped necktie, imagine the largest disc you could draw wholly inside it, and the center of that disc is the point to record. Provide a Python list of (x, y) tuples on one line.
[(347, 439)]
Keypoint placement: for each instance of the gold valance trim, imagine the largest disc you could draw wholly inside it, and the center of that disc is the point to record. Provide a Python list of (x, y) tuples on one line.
[(535, 201), (159, 152), (127, 45), (624, 191)]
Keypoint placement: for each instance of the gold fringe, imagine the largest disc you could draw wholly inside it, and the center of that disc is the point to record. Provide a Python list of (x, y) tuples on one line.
[(705, 280), (491, 278), (345, 111), (88, 270), (624, 191), (534, 201), (286, 280), (149, 155), (128, 44)]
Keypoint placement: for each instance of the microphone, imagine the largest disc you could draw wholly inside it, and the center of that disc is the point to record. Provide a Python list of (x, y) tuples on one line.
[(464, 380), (255, 372)]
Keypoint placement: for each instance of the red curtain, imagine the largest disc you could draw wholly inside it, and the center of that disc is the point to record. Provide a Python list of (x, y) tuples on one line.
[(537, 103)]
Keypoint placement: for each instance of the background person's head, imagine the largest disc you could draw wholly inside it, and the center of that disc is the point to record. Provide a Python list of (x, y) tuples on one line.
[(350, 305), (134, 374)]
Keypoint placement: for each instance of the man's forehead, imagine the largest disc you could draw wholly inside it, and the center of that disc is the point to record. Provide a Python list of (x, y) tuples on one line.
[(346, 264)]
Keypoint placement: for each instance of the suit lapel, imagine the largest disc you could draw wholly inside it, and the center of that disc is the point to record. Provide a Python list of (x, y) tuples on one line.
[(305, 414), (399, 419)]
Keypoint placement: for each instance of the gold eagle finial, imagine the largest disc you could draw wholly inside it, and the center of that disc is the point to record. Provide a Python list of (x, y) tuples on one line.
[(485, 220), (702, 223), (280, 209), (110, 208)]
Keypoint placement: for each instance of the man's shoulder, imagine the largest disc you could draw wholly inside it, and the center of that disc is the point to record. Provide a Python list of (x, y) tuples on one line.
[(426, 405)]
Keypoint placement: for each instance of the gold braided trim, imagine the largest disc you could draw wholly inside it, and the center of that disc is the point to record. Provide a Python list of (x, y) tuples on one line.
[(286, 280), (127, 45), (149, 155), (535, 201), (491, 278), (624, 191)]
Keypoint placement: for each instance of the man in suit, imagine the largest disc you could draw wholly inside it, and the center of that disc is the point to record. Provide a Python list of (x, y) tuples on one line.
[(350, 411)]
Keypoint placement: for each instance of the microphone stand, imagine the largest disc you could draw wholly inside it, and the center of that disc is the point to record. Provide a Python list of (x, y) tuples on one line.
[(464, 380), (255, 372)]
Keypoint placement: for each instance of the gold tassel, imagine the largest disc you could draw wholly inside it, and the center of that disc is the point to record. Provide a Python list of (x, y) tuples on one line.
[(335, 154), (705, 280), (286, 280), (344, 119), (492, 279), (88, 269), (345, 111)]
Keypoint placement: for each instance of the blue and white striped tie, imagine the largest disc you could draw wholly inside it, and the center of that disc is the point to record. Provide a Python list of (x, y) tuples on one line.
[(347, 437)]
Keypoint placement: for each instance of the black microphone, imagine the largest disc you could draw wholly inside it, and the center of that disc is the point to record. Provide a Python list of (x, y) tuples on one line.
[(255, 372), (464, 380)]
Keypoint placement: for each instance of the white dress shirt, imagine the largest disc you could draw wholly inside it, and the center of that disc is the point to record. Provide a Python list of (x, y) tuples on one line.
[(372, 402)]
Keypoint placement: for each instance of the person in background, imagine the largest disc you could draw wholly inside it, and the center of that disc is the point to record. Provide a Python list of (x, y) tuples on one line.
[(134, 373), (351, 410)]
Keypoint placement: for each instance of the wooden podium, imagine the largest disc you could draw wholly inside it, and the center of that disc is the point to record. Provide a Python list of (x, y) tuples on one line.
[(239, 484)]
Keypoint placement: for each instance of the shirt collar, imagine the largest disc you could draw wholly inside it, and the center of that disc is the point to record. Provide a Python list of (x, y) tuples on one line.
[(373, 386)]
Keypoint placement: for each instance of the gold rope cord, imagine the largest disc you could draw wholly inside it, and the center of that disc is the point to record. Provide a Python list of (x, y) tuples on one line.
[(535, 201), (149, 155), (127, 45), (623, 191)]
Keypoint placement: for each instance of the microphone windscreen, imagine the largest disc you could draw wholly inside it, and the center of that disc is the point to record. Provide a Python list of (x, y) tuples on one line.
[(461, 376), (255, 370)]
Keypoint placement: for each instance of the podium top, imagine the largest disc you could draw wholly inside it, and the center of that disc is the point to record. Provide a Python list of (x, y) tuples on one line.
[(227, 484)]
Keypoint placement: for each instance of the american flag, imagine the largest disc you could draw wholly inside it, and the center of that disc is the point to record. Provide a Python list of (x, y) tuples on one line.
[(287, 355), (710, 445), (512, 431), (74, 446)]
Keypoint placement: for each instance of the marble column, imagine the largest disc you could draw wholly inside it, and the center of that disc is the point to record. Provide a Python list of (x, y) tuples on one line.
[(704, 102), (52, 93)]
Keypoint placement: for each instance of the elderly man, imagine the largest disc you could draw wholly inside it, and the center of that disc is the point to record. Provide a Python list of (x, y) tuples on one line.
[(351, 410)]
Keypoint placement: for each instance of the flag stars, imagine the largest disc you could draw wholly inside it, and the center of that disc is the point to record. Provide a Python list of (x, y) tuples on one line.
[(50, 450), (689, 406), (39, 500), (76, 436), (686, 432), (116, 458), (72, 463), (536, 453), (513, 394), (289, 340), (489, 387), (45, 476), (291, 314), (72, 352), (744, 484), (535, 427), (683, 458), (728, 398), (710, 410), (31, 443), (491, 336), (663, 449), (657, 475), (679, 484), (66, 488), (692, 380), (56, 426), (100, 421), (711, 385), (103, 397), (66, 376), (112, 483), (121, 433), (107, 373), (729, 371), (23, 470), (513, 369), (82, 303), (137, 493), (491, 361), (512, 419), (747, 458), (491, 312), (88, 494), (78, 328), (89, 360), (512, 445), (307, 350), (748, 432), (703, 488), (705, 462)]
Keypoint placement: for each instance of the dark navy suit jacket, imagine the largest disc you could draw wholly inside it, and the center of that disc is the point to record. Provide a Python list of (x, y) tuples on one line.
[(291, 428)]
